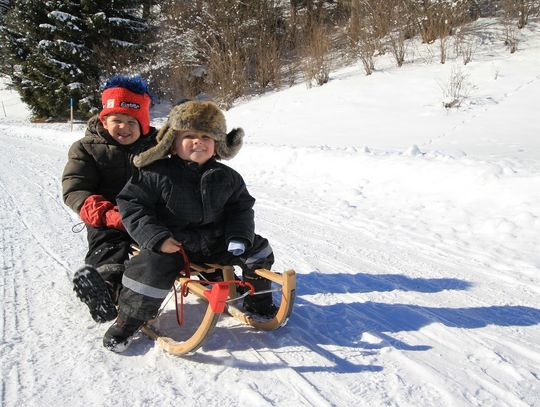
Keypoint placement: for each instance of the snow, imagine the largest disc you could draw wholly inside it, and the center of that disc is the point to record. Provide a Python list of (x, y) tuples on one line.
[(13, 109), (62, 16), (132, 24), (414, 230), (124, 44), (69, 19)]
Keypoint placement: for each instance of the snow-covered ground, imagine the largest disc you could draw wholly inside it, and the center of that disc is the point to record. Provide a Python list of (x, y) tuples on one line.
[(415, 233)]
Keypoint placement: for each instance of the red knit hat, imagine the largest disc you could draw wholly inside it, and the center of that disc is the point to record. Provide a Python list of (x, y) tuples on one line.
[(120, 99)]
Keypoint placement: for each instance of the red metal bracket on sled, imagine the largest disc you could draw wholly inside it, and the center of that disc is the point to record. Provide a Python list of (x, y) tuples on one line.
[(216, 297)]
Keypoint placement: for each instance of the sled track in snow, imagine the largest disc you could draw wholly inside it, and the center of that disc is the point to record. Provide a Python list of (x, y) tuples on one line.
[(20, 186), (379, 247), (17, 359), (348, 342), (372, 248), (38, 239), (30, 264)]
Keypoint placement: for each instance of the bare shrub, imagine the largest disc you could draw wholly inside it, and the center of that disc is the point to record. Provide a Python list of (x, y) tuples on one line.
[(467, 50), (520, 10), (465, 45), (267, 65), (181, 81), (515, 14), (264, 50), (397, 45), (510, 33), (366, 47), (378, 14), (428, 55), (443, 41), (456, 89), (237, 45), (363, 41), (380, 26), (227, 79), (316, 65), (399, 31), (437, 19), (510, 28)]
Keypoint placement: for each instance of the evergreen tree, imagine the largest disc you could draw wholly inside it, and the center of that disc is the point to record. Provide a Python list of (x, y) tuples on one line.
[(62, 49), (17, 39), (4, 6), (5, 65)]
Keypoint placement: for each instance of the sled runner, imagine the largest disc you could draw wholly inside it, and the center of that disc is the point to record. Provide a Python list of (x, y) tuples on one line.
[(218, 297)]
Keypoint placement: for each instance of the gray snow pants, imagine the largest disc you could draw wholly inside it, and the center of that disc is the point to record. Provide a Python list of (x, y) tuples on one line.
[(108, 249), (150, 275)]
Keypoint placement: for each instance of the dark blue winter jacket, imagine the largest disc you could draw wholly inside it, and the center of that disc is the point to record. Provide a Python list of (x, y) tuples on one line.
[(203, 207)]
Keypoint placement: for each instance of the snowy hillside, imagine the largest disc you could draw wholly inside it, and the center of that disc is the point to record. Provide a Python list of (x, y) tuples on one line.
[(414, 230)]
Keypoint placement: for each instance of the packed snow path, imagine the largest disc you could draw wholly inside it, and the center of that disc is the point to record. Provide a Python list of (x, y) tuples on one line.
[(418, 257), (416, 302)]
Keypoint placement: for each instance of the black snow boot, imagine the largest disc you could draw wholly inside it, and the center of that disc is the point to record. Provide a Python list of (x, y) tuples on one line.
[(92, 290), (112, 274), (260, 304), (120, 334)]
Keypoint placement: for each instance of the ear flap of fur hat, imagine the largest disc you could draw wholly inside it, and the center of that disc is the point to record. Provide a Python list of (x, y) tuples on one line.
[(162, 149), (228, 148)]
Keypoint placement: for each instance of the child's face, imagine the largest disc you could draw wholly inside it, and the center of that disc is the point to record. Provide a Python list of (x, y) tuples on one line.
[(193, 145), (123, 128)]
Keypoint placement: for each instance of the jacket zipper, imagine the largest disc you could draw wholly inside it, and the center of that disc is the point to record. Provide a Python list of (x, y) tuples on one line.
[(204, 192)]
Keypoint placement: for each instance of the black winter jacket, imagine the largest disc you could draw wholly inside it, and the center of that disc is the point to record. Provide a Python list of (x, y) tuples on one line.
[(203, 207), (99, 165)]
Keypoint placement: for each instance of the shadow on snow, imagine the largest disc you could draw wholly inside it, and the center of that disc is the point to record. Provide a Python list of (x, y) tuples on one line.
[(321, 283), (327, 329)]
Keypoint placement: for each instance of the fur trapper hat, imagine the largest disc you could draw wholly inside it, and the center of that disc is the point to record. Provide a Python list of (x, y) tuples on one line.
[(194, 115)]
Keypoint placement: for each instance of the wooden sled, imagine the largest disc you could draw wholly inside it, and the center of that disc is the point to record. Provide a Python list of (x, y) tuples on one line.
[(219, 297)]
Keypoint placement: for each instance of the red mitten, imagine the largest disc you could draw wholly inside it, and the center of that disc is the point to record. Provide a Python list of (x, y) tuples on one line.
[(113, 220), (93, 210)]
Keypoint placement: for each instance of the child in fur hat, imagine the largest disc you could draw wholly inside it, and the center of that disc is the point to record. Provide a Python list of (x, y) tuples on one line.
[(98, 167), (184, 200)]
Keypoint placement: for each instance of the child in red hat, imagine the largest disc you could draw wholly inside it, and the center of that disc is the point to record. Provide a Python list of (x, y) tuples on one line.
[(98, 167)]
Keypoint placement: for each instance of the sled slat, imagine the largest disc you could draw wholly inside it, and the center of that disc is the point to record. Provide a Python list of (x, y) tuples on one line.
[(193, 343), (288, 282), (270, 275), (194, 287), (197, 268), (228, 275)]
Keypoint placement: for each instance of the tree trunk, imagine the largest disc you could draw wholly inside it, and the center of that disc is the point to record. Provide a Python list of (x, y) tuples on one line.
[(147, 8)]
